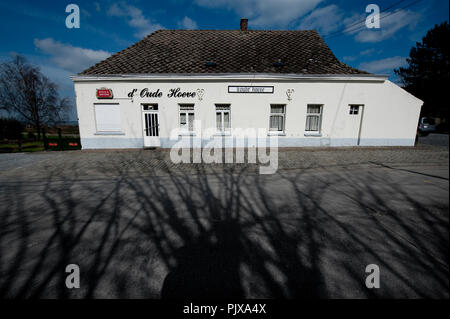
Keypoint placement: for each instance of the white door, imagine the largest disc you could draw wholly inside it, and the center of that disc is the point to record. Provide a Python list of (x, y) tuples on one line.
[(151, 128), (354, 123)]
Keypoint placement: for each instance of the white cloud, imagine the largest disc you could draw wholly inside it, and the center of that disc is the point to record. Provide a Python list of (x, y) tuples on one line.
[(389, 26), (265, 13), (116, 11), (85, 13), (135, 19), (367, 52), (325, 20), (387, 64), (68, 57), (349, 58), (188, 23)]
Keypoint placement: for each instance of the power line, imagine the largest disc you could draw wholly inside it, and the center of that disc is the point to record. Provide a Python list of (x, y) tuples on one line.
[(363, 20), (348, 29), (363, 27)]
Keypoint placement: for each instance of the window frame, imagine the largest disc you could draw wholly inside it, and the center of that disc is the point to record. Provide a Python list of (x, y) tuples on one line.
[(283, 115), (185, 129), (223, 130), (352, 111), (319, 115), (146, 107)]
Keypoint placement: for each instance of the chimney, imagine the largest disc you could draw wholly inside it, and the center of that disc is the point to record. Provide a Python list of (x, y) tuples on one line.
[(244, 24)]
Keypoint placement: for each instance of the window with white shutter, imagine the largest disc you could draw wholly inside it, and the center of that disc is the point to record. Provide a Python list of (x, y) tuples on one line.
[(107, 117)]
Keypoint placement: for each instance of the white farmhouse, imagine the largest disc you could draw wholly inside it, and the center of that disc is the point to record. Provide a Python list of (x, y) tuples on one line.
[(175, 84)]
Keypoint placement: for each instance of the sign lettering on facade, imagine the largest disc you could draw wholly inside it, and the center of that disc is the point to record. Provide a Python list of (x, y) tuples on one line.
[(176, 92), (104, 93), (250, 89)]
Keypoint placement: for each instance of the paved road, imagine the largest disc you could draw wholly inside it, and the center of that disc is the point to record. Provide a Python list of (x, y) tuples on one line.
[(307, 231), (434, 139), (11, 161)]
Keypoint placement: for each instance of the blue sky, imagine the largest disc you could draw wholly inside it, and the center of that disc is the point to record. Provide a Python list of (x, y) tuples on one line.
[(37, 30)]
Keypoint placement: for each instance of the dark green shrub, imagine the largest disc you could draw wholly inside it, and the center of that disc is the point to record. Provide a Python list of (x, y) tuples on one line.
[(31, 136), (66, 143), (11, 129)]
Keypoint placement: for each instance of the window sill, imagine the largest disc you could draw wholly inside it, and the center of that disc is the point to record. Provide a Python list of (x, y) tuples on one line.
[(222, 134), (109, 133), (186, 134), (275, 133), (314, 134)]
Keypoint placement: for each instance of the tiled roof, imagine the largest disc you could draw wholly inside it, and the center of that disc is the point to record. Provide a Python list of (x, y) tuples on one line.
[(225, 51)]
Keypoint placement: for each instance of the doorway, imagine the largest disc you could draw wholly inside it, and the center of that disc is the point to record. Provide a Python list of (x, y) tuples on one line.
[(150, 123), (356, 113)]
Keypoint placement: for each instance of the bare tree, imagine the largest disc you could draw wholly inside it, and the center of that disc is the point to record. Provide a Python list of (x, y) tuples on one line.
[(27, 94)]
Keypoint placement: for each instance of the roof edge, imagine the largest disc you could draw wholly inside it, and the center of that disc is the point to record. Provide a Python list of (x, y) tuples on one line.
[(230, 76)]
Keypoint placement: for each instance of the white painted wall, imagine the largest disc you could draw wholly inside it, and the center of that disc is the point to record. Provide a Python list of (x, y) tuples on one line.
[(390, 113)]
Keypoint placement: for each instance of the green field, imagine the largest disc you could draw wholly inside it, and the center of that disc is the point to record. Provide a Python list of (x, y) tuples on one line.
[(53, 144), (70, 139), (34, 146)]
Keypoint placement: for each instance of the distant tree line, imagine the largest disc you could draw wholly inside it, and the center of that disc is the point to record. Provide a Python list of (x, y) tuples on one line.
[(427, 73), (27, 95)]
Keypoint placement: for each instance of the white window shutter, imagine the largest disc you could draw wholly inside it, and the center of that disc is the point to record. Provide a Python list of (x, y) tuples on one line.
[(107, 117)]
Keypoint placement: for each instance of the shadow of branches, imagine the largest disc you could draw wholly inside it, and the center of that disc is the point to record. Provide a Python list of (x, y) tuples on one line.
[(221, 231)]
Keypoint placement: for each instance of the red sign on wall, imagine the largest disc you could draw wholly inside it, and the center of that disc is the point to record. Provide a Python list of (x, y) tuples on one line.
[(104, 93)]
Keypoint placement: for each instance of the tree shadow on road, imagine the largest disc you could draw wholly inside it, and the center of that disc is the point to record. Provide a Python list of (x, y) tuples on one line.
[(218, 231)]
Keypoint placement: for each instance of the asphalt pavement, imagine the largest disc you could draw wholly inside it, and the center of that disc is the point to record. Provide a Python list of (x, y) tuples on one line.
[(308, 231)]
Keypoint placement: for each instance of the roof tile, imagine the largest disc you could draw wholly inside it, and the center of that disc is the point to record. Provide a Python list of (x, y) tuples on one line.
[(233, 51)]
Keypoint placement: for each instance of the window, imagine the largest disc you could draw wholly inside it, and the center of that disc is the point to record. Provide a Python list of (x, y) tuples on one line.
[(150, 107), (313, 118), (354, 109), (187, 117), (223, 117), (107, 117), (428, 120), (277, 116)]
